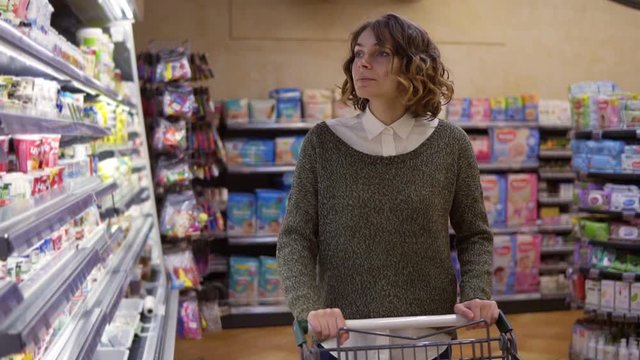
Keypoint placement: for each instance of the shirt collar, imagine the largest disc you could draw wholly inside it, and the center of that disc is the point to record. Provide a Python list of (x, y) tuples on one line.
[(374, 127)]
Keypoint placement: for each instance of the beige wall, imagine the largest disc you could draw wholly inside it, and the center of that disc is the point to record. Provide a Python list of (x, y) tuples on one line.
[(492, 47)]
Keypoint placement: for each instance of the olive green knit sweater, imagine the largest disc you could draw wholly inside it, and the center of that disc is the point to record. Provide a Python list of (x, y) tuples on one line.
[(369, 234)]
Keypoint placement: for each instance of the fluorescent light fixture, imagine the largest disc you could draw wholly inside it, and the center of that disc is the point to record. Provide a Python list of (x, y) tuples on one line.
[(126, 8), (30, 61)]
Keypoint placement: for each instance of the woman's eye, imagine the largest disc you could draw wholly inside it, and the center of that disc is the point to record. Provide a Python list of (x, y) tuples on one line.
[(384, 54), (358, 53)]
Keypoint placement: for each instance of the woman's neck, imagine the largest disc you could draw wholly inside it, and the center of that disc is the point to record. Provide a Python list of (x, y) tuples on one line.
[(388, 112)]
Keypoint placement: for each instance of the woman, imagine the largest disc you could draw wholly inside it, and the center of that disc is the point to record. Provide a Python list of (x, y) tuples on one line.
[(366, 231)]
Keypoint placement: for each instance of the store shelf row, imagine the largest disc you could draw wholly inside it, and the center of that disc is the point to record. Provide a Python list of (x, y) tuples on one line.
[(271, 126), (619, 316), (555, 154), (43, 301), (617, 134), (511, 124), (553, 268), (595, 274), (22, 51), (26, 221), (623, 214), (554, 200), (557, 250), (623, 177), (616, 244), (13, 122), (126, 199), (556, 175)]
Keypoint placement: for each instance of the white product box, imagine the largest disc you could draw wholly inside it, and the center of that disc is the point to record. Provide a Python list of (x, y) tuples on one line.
[(592, 288), (622, 296), (635, 298), (607, 294)]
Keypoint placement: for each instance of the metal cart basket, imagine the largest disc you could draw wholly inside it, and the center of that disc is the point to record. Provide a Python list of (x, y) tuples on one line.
[(501, 346)]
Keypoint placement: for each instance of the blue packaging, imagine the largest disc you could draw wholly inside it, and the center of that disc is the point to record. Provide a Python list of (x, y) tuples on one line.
[(494, 192), (241, 214), (504, 264), (270, 288), (243, 280), (250, 151), (579, 147), (515, 108), (288, 149), (605, 147), (459, 109), (605, 163), (288, 104), (271, 207), (580, 163), (514, 145)]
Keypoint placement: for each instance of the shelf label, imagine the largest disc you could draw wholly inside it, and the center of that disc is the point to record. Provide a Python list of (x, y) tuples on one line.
[(594, 273), (629, 277), (628, 215), (596, 134)]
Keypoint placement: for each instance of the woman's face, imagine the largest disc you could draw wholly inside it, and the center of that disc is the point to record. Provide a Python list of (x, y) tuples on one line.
[(373, 68)]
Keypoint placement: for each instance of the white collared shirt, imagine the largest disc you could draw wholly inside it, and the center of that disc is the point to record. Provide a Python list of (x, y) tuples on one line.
[(365, 133)]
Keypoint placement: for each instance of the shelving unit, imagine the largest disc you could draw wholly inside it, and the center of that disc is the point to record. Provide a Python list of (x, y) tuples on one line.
[(28, 309), (267, 169)]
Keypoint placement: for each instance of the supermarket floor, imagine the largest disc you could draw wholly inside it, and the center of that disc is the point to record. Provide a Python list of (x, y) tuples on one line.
[(540, 336)]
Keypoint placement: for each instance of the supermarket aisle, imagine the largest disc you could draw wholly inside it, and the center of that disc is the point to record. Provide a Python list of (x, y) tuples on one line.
[(541, 336)]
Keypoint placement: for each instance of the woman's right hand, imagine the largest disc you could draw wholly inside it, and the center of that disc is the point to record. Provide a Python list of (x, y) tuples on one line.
[(324, 324)]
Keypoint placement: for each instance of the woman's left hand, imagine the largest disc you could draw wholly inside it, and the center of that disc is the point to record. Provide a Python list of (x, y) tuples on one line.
[(477, 309)]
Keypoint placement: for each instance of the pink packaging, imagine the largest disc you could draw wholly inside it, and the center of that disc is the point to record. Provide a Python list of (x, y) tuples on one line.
[(494, 193), (528, 262), (481, 147), (480, 110), (522, 199), (28, 149), (4, 143), (503, 265)]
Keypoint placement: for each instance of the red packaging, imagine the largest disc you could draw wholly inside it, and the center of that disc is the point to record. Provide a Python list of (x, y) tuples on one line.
[(28, 148), (56, 177), (50, 150), (41, 183)]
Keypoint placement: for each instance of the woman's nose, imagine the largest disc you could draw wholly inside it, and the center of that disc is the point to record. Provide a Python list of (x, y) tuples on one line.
[(363, 62)]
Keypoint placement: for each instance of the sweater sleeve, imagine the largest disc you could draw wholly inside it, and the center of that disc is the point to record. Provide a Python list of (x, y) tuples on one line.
[(297, 248), (474, 240)]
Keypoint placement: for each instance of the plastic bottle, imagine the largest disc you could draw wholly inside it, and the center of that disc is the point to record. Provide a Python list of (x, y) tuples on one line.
[(623, 351), (591, 348), (600, 349)]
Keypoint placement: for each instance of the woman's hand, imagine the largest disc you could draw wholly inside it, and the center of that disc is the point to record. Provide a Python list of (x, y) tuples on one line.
[(477, 309), (324, 324)]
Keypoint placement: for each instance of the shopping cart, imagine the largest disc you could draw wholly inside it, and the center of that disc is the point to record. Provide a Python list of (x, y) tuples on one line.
[(410, 348)]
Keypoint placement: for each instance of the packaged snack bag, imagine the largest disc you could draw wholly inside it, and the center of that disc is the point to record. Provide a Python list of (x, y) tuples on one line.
[(522, 199)]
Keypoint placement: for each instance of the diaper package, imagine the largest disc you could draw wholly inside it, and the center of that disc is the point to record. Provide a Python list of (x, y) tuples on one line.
[(250, 151), (630, 163), (243, 280), (459, 110), (554, 112), (480, 110), (271, 207), (514, 145), (530, 107), (527, 262), (631, 114), (288, 104), (340, 108), (504, 265), (481, 147), (241, 214), (270, 289), (317, 105), (522, 199), (288, 149), (494, 190), (262, 110), (236, 111)]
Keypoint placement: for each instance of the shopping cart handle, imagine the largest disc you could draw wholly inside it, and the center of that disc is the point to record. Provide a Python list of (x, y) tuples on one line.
[(301, 327)]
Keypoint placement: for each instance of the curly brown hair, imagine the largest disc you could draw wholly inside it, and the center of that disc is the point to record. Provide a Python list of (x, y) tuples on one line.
[(422, 75)]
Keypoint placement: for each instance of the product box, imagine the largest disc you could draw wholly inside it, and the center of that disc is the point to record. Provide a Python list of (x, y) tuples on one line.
[(262, 110), (530, 106), (514, 145), (459, 110), (607, 295), (515, 108), (241, 214), (236, 111), (522, 199), (317, 105), (593, 293), (480, 110), (481, 147), (271, 207), (634, 304), (494, 190), (498, 109), (630, 163), (270, 288), (243, 280), (528, 262), (250, 151), (288, 104), (622, 289), (288, 149), (554, 112), (503, 264)]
